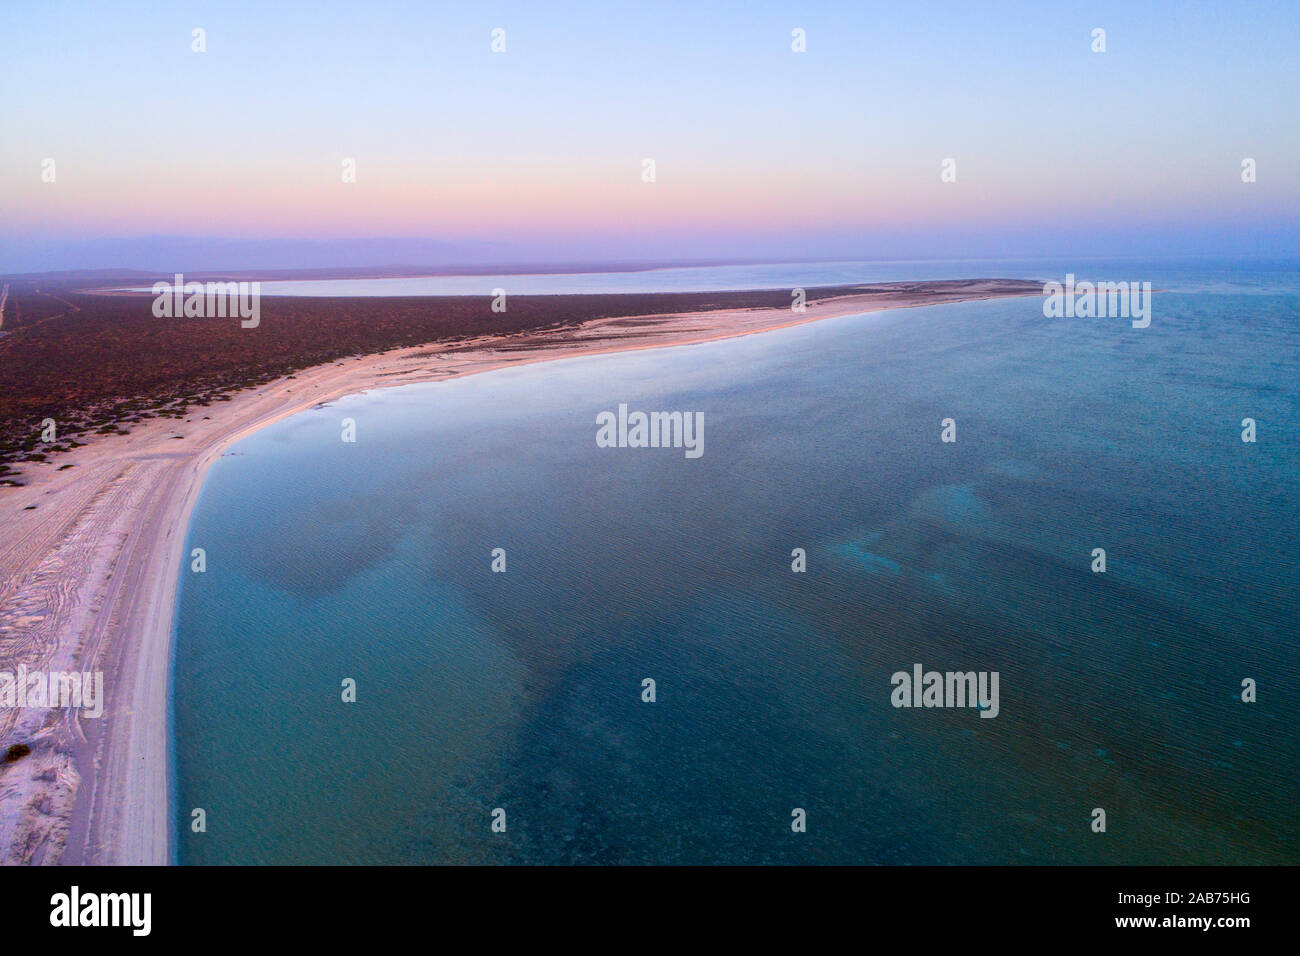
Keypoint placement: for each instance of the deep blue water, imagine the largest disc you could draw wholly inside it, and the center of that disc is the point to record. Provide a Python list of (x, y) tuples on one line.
[(477, 690)]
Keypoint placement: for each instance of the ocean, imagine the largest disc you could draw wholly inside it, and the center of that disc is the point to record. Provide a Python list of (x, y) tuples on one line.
[(1187, 274), (522, 691)]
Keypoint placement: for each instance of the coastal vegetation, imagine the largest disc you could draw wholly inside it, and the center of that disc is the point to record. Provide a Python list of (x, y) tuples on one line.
[(97, 364)]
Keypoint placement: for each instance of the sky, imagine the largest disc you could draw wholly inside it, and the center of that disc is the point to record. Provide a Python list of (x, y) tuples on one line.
[(165, 158)]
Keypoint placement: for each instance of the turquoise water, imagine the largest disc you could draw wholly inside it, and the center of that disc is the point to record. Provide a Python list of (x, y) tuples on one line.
[(522, 691)]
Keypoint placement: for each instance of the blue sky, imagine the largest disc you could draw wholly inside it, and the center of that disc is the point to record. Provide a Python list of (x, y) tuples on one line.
[(758, 151)]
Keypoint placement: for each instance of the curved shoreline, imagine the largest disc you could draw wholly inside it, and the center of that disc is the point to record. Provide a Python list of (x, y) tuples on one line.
[(98, 585)]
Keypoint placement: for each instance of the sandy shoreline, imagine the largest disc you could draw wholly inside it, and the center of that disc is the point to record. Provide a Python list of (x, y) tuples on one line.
[(88, 577)]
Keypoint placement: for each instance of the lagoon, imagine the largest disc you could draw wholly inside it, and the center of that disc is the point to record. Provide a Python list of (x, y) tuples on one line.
[(522, 690)]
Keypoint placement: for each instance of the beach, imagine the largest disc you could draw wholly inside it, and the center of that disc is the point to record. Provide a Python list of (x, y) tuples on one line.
[(90, 563)]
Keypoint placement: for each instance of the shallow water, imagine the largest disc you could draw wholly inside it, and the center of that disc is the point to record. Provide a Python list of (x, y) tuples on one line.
[(477, 690)]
